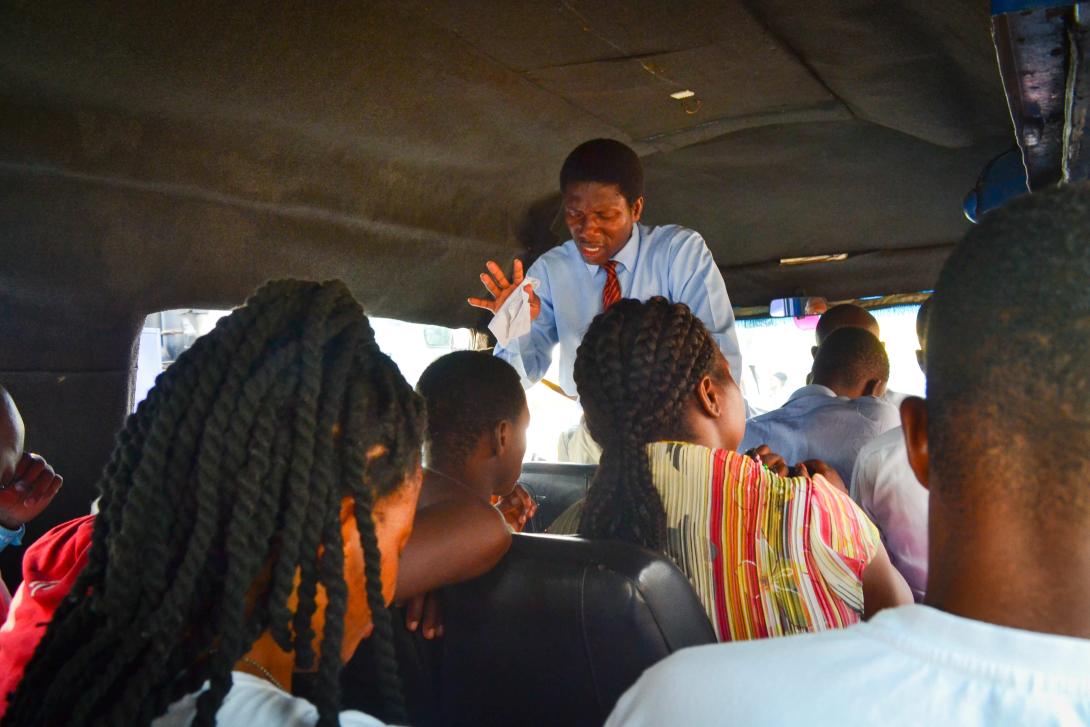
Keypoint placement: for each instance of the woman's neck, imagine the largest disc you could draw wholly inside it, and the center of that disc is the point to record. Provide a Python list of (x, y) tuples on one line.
[(267, 655)]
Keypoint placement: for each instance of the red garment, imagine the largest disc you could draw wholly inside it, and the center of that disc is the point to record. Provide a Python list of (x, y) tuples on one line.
[(50, 567), (611, 293)]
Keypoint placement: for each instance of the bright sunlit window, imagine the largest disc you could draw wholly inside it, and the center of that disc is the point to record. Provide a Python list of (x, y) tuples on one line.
[(411, 345), (776, 353), (777, 358), (166, 335)]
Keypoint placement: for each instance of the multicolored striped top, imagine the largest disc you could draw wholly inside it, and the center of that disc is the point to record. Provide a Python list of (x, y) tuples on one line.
[(767, 555)]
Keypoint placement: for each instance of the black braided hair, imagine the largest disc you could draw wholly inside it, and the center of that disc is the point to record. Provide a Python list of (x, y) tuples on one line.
[(635, 369), (225, 483)]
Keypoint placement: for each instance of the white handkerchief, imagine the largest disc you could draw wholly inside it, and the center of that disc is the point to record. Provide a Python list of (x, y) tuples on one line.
[(513, 318)]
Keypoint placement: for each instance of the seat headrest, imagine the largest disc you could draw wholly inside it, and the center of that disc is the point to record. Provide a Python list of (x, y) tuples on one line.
[(560, 629)]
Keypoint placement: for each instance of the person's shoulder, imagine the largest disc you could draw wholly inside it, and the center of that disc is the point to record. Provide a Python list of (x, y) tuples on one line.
[(883, 444), (253, 700), (700, 685), (562, 255), (881, 412), (672, 239), (868, 463), (468, 520)]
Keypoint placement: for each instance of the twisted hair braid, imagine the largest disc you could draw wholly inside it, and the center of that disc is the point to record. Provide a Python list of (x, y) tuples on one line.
[(636, 367), (224, 485)]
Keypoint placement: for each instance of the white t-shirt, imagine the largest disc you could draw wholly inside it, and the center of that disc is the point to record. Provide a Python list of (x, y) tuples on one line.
[(886, 488), (912, 665), (254, 701)]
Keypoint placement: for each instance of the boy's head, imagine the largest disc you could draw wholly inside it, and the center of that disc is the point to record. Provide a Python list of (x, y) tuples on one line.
[(476, 409)]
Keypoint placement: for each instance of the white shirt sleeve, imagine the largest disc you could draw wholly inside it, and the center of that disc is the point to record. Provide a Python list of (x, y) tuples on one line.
[(532, 354)]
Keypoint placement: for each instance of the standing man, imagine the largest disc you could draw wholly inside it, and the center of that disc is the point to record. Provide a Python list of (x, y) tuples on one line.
[(609, 256)]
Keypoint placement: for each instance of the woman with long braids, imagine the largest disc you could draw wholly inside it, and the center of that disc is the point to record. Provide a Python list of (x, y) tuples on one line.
[(768, 555), (249, 528)]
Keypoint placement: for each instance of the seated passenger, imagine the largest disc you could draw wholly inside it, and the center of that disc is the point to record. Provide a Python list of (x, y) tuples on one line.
[(850, 315), (767, 555), (27, 483), (50, 568), (832, 418), (251, 518), (1003, 443), (885, 487), (476, 438)]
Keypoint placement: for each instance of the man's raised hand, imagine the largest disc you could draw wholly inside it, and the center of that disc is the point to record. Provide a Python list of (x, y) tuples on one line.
[(497, 284)]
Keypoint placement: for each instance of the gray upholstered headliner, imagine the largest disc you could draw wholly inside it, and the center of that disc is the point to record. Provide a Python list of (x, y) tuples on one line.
[(400, 145)]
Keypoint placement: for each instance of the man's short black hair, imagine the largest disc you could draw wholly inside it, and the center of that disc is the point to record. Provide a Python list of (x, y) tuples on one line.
[(467, 393), (1008, 354), (845, 315), (607, 161), (850, 356)]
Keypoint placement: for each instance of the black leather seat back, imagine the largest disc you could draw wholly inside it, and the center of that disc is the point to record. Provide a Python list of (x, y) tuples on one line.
[(559, 630), (554, 486)]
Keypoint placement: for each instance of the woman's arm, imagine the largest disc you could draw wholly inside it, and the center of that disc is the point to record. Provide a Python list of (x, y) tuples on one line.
[(883, 585), (451, 542)]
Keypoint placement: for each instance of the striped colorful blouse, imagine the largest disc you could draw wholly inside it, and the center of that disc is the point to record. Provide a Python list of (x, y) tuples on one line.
[(767, 555)]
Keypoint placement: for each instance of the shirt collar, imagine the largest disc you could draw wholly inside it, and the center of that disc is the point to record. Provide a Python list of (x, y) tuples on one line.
[(626, 258), (812, 390)]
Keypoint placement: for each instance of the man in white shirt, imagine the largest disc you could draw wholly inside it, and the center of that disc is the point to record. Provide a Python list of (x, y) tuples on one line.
[(886, 488), (1004, 637), (832, 418)]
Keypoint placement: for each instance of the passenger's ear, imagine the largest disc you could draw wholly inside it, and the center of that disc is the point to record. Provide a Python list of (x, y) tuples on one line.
[(921, 359), (709, 399), (637, 209), (501, 437), (874, 387), (914, 422), (813, 351)]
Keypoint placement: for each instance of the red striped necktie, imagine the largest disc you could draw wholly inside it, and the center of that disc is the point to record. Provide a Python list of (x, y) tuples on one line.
[(612, 292)]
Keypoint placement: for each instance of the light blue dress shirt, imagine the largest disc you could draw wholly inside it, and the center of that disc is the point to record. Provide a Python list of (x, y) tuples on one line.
[(815, 423), (670, 261)]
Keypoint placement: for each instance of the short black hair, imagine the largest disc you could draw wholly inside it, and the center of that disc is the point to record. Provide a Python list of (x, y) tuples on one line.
[(1008, 351), (845, 315), (607, 161), (850, 356), (467, 393)]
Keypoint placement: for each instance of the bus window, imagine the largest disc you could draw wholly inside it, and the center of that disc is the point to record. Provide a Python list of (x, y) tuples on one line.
[(412, 346), (777, 357)]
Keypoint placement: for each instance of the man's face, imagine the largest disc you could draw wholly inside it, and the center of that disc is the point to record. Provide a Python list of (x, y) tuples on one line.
[(600, 219), (512, 458)]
